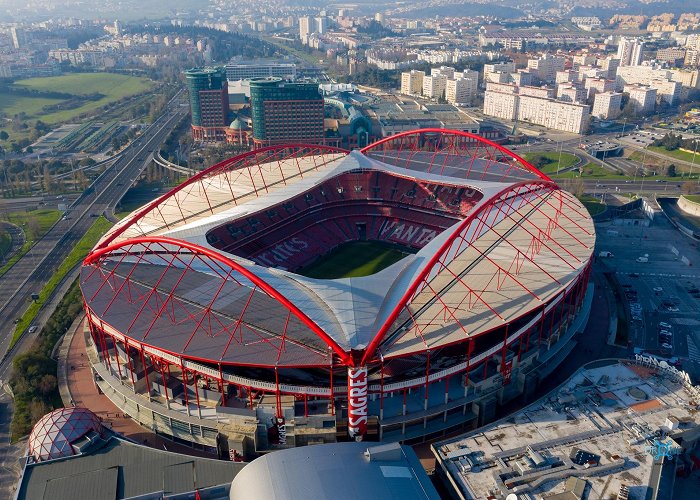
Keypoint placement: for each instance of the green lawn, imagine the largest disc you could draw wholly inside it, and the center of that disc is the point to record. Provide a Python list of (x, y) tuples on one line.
[(353, 260), (77, 254), (44, 220), (677, 153), (695, 198), (593, 205), (567, 160), (112, 86), (591, 170), (11, 104)]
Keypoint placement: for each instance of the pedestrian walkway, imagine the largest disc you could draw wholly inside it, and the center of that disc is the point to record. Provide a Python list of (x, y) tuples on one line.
[(76, 379)]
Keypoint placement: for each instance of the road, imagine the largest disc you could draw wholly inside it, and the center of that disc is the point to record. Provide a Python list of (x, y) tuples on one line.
[(31, 273)]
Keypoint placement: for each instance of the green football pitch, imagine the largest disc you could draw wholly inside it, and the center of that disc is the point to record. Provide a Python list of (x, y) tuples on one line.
[(354, 259)]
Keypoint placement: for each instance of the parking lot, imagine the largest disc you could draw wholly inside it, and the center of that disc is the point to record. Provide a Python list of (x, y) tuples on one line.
[(657, 268)]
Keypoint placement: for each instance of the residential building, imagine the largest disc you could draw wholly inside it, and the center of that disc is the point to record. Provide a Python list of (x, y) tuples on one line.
[(412, 82), (571, 92), (673, 55), (642, 98), (522, 78), (501, 104), (447, 71), (610, 65), (306, 27), (557, 115), (630, 52), (597, 85), (285, 112), (497, 77), (565, 76), (462, 90), (606, 105), (545, 68), (434, 86), (667, 91), (208, 92), (583, 60)]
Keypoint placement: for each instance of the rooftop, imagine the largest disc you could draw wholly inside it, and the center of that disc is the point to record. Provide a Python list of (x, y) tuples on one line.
[(601, 426)]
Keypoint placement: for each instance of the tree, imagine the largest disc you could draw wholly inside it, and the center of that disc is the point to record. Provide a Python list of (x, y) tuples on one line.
[(671, 170), (539, 160), (688, 187), (4, 135)]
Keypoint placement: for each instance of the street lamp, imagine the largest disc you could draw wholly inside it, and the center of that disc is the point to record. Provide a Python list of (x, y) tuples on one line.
[(692, 164)]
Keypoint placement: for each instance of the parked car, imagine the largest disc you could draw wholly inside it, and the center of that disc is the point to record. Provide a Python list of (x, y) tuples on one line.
[(665, 326)]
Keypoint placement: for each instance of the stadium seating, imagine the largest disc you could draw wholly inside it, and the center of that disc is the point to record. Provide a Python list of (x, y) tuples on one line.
[(359, 205)]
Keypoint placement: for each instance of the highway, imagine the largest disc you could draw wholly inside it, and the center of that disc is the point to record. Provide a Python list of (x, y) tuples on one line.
[(31, 273)]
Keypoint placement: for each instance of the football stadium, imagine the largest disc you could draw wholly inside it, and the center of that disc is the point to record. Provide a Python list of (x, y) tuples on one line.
[(300, 294)]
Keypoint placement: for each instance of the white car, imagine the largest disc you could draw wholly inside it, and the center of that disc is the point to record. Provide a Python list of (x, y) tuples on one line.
[(665, 326), (658, 289), (33, 328), (666, 346)]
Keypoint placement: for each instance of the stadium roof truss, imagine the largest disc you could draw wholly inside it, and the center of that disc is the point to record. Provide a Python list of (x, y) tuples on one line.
[(522, 243)]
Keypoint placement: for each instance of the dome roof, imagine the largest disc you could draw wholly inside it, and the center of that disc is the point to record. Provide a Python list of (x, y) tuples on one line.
[(54, 434), (238, 124)]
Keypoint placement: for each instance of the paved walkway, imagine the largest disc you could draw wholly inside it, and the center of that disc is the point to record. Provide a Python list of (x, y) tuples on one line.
[(78, 382)]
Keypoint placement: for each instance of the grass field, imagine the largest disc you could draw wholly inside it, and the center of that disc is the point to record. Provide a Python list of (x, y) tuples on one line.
[(677, 153), (567, 160), (593, 205), (695, 198), (352, 260), (44, 218), (112, 86)]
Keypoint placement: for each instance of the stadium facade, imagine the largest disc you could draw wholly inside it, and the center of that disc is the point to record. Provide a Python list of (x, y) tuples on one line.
[(204, 327)]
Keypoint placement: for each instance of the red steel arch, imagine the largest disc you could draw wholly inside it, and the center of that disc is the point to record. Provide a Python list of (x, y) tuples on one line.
[(443, 132), (222, 166), (435, 260), (95, 256)]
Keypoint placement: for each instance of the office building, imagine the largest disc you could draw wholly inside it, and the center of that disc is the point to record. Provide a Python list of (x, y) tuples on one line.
[(260, 69), (642, 98), (286, 112), (606, 105), (412, 82), (208, 90)]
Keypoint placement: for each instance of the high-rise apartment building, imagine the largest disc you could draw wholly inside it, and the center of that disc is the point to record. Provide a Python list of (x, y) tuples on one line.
[(606, 105), (412, 82), (286, 112), (463, 88), (546, 67), (434, 86), (642, 98), (306, 27), (630, 52), (208, 90)]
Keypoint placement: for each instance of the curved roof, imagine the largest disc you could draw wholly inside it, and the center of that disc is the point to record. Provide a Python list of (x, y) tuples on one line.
[(156, 279), (55, 433)]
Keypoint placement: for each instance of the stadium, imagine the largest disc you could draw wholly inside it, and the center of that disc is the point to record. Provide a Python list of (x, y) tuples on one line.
[(299, 294)]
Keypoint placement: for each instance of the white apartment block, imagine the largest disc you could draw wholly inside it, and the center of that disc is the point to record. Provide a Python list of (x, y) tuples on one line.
[(557, 115), (434, 86), (630, 52), (584, 60), (447, 71), (412, 82), (501, 104), (546, 67), (610, 65), (461, 90), (497, 77), (522, 78), (542, 92), (642, 98), (667, 91), (507, 67), (606, 105), (504, 101), (306, 27), (571, 92), (565, 76), (598, 85)]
